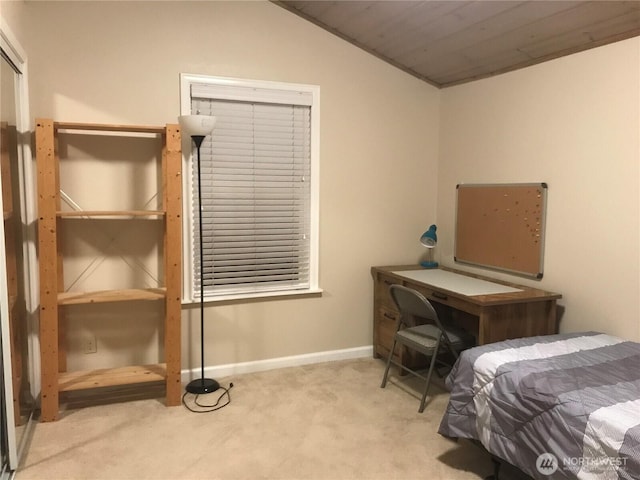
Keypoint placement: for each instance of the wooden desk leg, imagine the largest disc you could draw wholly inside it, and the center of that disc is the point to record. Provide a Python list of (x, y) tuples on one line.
[(484, 326), (552, 318)]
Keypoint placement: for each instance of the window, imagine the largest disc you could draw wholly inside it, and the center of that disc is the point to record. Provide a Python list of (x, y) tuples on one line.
[(259, 172)]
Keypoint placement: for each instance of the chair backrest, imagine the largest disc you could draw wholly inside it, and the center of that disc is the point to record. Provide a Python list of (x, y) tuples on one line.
[(412, 304)]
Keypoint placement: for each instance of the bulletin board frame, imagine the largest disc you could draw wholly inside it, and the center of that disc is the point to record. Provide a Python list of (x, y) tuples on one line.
[(501, 226)]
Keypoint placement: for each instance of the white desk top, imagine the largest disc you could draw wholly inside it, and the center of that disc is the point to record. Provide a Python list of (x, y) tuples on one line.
[(455, 282)]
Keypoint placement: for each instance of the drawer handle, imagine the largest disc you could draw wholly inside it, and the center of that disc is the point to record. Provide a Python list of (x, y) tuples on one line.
[(439, 295), (390, 317), (388, 282)]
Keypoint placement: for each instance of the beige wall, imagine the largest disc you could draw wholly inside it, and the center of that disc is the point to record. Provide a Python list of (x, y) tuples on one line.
[(120, 62), (13, 13), (388, 143), (574, 123)]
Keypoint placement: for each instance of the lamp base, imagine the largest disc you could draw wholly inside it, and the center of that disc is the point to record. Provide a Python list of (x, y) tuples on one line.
[(429, 264), (202, 385)]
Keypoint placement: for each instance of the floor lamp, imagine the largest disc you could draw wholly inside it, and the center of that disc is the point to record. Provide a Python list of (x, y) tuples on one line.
[(198, 127)]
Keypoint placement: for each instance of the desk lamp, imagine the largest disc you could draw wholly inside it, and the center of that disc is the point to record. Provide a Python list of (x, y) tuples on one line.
[(198, 127), (429, 239)]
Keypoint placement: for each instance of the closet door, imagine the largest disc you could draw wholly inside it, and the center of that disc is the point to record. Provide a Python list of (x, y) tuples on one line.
[(17, 253), (7, 118), (7, 433)]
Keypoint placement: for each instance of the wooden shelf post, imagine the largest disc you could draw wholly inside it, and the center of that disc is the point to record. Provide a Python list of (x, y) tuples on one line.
[(172, 199)]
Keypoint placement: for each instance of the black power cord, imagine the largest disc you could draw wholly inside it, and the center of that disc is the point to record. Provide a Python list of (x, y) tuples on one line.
[(210, 408)]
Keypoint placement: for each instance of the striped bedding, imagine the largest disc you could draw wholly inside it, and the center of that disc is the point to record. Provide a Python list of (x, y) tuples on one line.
[(557, 407)]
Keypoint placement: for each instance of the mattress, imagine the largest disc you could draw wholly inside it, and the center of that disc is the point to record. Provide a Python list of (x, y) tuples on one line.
[(557, 406)]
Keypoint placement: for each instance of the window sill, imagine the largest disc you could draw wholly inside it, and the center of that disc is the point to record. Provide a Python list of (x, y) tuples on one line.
[(253, 297)]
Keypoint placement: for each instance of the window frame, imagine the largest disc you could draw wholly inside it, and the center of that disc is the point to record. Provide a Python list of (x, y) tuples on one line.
[(189, 295)]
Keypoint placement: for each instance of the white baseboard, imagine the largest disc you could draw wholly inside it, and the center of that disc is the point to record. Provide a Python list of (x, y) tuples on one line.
[(219, 371)]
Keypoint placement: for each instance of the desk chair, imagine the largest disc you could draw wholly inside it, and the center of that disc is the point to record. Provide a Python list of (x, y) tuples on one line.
[(431, 339)]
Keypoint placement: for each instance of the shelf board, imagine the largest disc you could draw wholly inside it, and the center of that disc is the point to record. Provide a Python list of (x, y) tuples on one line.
[(108, 127), (110, 213), (106, 296), (111, 377)]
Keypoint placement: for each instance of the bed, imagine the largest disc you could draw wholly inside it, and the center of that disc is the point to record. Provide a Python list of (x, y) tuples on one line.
[(557, 407)]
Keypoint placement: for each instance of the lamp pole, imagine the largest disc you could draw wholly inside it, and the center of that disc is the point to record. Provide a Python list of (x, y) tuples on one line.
[(200, 126)]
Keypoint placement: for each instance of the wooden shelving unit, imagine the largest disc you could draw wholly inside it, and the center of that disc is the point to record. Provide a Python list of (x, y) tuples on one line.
[(55, 378)]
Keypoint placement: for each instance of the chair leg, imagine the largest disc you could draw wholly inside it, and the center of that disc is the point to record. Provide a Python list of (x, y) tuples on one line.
[(426, 387), (386, 370)]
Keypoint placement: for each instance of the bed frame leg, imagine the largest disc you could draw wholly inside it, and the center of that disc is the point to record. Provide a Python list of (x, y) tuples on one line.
[(496, 470)]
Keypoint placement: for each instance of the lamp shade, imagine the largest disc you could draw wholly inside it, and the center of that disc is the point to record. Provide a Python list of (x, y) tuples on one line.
[(197, 125), (429, 238)]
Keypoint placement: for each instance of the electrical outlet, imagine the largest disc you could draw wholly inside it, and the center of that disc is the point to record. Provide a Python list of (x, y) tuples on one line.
[(89, 344)]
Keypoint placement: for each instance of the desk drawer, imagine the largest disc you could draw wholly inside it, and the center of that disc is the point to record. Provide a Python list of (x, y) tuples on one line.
[(385, 329), (435, 296), (382, 296)]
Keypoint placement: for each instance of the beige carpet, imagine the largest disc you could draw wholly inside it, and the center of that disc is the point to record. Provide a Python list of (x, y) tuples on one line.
[(325, 421)]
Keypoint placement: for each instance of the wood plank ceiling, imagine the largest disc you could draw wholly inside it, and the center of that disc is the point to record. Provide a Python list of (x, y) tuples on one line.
[(451, 42)]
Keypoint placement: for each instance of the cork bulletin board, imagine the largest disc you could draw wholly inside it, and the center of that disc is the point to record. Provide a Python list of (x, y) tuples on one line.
[(501, 226)]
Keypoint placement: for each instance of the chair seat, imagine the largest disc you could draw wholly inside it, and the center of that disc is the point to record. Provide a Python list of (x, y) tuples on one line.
[(421, 337), (425, 337)]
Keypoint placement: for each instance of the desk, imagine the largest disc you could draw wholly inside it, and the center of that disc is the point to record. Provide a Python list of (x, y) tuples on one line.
[(490, 309)]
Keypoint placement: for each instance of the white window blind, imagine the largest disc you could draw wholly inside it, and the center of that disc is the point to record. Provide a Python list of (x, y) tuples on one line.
[(256, 192)]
